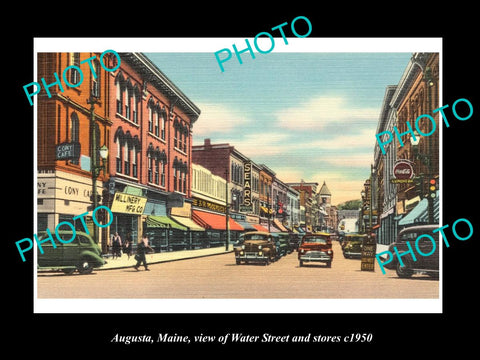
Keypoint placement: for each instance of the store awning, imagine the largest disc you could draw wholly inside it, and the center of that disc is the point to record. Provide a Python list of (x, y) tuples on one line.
[(214, 221), (259, 227), (189, 223), (154, 221), (246, 225), (279, 225), (419, 214), (265, 210)]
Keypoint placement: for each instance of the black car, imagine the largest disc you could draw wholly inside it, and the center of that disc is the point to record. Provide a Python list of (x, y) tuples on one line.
[(422, 263)]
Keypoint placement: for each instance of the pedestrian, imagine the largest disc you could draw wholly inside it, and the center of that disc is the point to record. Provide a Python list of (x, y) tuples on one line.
[(127, 246), (141, 250), (116, 245)]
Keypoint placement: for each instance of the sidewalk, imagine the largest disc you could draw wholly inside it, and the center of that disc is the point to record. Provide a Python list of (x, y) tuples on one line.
[(124, 262)]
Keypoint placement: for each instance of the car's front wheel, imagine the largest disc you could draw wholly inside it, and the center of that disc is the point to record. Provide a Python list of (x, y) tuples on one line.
[(85, 267)]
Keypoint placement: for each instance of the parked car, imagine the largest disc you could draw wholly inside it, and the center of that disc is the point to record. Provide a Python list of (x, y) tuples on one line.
[(80, 254), (282, 243), (316, 248), (258, 246), (352, 245), (423, 264), (295, 239)]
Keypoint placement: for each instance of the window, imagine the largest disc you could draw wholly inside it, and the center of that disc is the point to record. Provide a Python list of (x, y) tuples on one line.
[(163, 122), (127, 160), (157, 129), (150, 170), (175, 179), (163, 173), (134, 162), (96, 81), (120, 92), (150, 119), (128, 95), (119, 156), (135, 106), (74, 73), (157, 172)]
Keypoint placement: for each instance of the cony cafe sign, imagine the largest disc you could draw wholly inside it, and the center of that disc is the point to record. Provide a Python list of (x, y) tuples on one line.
[(67, 151), (402, 172)]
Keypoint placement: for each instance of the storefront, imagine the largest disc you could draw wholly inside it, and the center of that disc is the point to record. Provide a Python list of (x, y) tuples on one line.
[(127, 207), (62, 196), (196, 236), (215, 226)]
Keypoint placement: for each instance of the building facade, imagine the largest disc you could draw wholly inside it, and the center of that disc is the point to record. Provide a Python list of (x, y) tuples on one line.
[(73, 122), (150, 160)]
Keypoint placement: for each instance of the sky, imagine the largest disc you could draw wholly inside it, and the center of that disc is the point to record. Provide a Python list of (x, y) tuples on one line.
[(310, 116)]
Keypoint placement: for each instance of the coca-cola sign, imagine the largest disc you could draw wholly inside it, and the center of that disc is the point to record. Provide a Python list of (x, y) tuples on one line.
[(403, 170)]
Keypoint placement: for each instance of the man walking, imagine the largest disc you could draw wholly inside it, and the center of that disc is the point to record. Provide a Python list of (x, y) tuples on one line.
[(141, 250)]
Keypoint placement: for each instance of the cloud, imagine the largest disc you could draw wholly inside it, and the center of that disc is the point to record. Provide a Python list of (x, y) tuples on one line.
[(321, 111), (217, 118), (363, 139)]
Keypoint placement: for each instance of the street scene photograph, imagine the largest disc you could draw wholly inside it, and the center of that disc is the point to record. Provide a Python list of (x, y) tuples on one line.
[(167, 172)]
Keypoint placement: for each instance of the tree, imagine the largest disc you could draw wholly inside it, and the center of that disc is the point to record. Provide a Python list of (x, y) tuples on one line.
[(350, 205)]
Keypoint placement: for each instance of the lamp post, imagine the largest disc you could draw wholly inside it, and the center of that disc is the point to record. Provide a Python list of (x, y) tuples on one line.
[(227, 219), (95, 169)]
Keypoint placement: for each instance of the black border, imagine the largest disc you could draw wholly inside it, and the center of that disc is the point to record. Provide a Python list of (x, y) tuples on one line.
[(408, 334)]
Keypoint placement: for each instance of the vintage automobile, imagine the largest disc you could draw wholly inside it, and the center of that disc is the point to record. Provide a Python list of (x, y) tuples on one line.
[(80, 254), (282, 243), (258, 246), (423, 264), (352, 245), (295, 239), (316, 248)]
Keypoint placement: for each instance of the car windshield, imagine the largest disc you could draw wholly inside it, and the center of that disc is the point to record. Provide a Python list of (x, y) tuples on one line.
[(315, 239), (256, 237)]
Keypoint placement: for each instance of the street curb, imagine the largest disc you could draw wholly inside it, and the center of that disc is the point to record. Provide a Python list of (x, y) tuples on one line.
[(163, 261)]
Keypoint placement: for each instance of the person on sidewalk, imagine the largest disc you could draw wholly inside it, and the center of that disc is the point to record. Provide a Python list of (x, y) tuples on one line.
[(141, 250), (127, 247), (116, 245)]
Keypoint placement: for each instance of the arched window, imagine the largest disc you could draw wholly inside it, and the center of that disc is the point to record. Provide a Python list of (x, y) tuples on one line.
[(96, 81)]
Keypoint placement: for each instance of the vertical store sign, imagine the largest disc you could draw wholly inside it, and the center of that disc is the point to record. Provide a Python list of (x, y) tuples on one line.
[(247, 187), (369, 249)]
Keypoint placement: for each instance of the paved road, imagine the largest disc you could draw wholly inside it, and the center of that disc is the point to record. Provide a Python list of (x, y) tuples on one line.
[(218, 276)]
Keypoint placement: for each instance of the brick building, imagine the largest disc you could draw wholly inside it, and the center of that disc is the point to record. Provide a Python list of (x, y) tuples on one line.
[(64, 135)]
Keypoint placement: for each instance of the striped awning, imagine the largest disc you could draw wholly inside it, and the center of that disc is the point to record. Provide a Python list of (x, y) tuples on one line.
[(165, 222)]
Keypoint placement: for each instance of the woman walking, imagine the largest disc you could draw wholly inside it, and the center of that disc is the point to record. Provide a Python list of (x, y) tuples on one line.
[(116, 245), (141, 250)]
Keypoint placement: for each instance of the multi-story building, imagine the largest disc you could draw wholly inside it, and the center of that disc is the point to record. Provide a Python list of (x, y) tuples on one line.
[(307, 192), (293, 208), (416, 94), (384, 164), (209, 208), (73, 122), (227, 162), (267, 177), (150, 143), (144, 121)]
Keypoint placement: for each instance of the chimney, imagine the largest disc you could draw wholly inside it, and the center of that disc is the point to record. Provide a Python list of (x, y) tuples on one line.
[(206, 143)]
